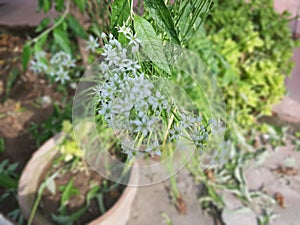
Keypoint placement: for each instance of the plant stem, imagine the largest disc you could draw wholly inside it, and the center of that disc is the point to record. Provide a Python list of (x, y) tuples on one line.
[(131, 10), (168, 128), (34, 40), (36, 203)]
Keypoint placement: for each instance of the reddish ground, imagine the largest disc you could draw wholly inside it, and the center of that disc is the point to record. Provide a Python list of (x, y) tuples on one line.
[(20, 106)]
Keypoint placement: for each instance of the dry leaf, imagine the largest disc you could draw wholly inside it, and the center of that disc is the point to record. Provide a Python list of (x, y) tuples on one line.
[(279, 199), (210, 175), (181, 205), (114, 194), (285, 170)]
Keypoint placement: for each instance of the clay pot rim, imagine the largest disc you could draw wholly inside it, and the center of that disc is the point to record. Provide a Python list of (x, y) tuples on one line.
[(26, 204)]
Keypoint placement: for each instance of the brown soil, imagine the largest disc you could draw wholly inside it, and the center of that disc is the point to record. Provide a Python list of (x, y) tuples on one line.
[(19, 107), (82, 181)]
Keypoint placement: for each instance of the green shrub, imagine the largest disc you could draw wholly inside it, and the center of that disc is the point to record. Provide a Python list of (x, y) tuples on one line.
[(249, 48)]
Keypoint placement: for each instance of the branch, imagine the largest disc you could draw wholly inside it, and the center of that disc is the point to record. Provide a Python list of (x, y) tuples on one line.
[(54, 26)]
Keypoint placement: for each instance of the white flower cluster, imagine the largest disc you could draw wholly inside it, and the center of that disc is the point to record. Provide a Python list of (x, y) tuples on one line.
[(58, 67), (128, 101), (130, 104), (217, 126), (191, 128)]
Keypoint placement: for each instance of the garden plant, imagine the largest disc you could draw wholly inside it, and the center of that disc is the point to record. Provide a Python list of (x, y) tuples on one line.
[(127, 97), (147, 88)]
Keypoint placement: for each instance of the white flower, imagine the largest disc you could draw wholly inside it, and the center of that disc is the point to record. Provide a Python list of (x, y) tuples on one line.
[(135, 48), (39, 55), (158, 153), (122, 105), (92, 44), (104, 67), (115, 44), (68, 62), (62, 59), (199, 139), (38, 67), (116, 80), (161, 102), (141, 106), (62, 76), (217, 126), (133, 66), (198, 119), (144, 124), (128, 148), (108, 90), (187, 121), (133, 40), (203, 129), (112, 56), (98, 90), (175, 132), (125, 30), (103, 35), (123, 54), (57, 58), (106, 110), (73, 85), (153, 102), (126, 63), (142, 86)]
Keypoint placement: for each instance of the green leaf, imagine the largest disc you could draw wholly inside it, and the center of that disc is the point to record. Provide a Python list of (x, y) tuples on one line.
[(11, 80), (38, 46), (100, 201), (76, 27), (166, 218), (215, 196), (40, 5), (161, 15), (68, 192), (61, 38), (50, 183), (96, 29), (12, 167), (3, 165), (152, 45), (43, 24), (92, 194), (25, 56), (59, 5), (47, 5), (191, 16), (119, 14), (80, 4), (8, 182), (69, 219), (2, 145)]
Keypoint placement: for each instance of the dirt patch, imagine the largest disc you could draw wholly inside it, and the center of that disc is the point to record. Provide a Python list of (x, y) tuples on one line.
[(21, 104), (82, 182), (20, 101)]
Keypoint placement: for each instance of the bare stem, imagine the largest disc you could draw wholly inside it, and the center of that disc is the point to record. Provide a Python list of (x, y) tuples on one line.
[(54, 26), (168, 128)]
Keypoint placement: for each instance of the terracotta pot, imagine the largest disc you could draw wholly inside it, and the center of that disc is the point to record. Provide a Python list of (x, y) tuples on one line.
[(32, 176)]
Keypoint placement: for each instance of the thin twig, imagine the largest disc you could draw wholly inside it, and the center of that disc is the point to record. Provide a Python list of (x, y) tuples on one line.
[(54, 26), (168, 128)]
